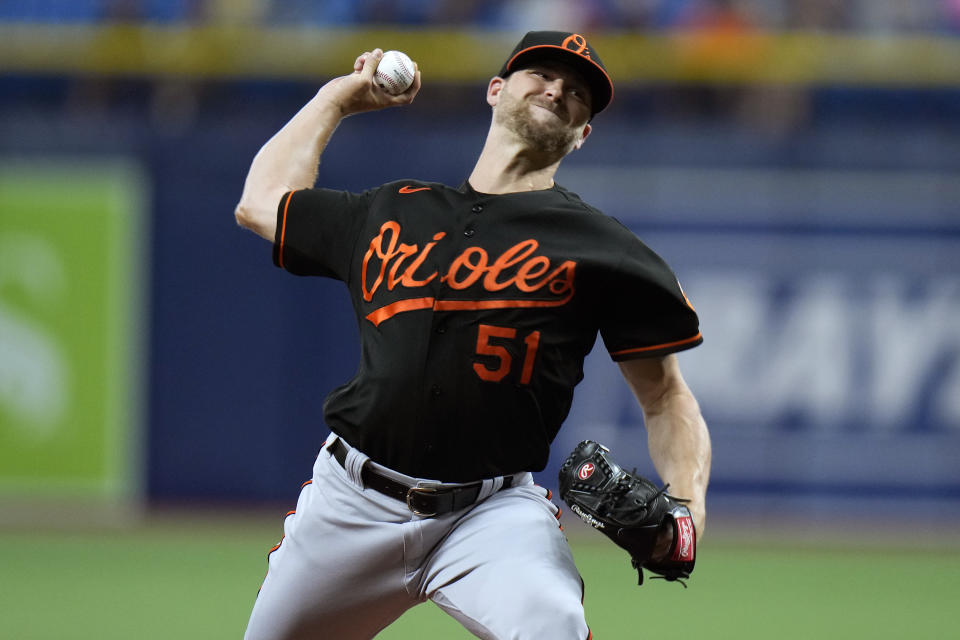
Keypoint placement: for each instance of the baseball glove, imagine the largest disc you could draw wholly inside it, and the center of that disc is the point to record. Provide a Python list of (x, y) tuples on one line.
[(630, 510)]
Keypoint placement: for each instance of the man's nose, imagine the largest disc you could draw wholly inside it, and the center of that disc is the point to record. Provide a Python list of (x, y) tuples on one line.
[(554, 89)]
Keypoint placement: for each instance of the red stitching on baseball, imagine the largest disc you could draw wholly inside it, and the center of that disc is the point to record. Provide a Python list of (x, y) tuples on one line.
[(383, 76), (403, 66)]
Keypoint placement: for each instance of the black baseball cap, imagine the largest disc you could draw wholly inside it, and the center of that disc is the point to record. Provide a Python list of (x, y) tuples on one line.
[(569, 48)]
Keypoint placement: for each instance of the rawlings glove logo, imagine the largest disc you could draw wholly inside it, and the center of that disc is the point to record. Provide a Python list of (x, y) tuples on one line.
[(586, 517), (685, 548), (586, 470)]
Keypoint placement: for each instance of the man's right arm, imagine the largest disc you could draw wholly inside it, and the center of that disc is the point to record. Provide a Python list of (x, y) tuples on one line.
[(288, 161)]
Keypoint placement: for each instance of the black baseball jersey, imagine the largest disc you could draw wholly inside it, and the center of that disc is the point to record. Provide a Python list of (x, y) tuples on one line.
[(476, 312)]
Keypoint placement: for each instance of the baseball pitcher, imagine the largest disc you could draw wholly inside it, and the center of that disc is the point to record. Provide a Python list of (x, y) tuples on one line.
[(477, 304)]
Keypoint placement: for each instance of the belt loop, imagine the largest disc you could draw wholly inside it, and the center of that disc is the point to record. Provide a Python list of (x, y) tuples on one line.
[(353, 461), (490, 487), (354, 465)]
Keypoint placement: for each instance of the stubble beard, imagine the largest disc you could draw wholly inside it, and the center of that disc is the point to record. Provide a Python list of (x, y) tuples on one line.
[(515, 115)]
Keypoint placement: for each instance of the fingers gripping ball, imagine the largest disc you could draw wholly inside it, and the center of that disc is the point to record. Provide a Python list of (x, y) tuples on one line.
[(395, 72), (630, 510)]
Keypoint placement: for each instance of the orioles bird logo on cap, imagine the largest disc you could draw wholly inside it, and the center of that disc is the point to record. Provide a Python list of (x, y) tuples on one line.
[(579, 44)]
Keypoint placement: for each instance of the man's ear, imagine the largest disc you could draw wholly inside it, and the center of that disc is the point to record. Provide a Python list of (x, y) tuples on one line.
[(583, 137), (493, 90)]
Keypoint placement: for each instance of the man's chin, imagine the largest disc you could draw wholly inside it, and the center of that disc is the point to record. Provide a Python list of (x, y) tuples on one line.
[(548, 139), (542, 128), (545, 122)]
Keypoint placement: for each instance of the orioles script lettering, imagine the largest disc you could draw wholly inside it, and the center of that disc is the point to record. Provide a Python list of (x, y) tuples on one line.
[(390, 263)]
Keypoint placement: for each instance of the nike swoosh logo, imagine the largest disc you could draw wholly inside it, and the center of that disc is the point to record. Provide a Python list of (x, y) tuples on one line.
[(413, 189)]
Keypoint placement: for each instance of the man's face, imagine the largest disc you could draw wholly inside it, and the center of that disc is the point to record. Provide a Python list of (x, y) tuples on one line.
[(547, 105)]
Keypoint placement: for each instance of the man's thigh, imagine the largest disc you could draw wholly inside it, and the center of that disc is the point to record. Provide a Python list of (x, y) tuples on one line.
[(506, 571), (339, 571)]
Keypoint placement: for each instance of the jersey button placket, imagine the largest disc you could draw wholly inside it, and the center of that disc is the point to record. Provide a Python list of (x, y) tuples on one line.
[(469, 232)]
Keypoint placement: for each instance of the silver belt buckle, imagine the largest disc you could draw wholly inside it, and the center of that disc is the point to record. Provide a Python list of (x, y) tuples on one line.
[(423, 490)]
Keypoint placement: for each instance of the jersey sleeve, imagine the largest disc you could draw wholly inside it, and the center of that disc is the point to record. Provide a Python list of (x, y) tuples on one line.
[(317, 231), (644, 311)]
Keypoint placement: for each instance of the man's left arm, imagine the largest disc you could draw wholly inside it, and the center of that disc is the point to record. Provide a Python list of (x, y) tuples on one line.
[(677, 434)]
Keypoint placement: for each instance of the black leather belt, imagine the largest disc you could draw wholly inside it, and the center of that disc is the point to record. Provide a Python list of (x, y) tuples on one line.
[(425, 501)]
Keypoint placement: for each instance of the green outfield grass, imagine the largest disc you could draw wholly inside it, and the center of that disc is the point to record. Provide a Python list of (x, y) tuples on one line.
[(193, 578)]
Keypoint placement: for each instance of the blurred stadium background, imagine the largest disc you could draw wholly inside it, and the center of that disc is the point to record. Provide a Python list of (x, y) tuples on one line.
[(796, 161)]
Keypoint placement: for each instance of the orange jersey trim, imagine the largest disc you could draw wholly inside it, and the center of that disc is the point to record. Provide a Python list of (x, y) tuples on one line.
[(283, 227), (656, 347), (276, 546)]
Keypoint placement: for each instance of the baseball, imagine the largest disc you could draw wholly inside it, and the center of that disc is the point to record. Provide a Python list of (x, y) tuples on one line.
[(395, 72)]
